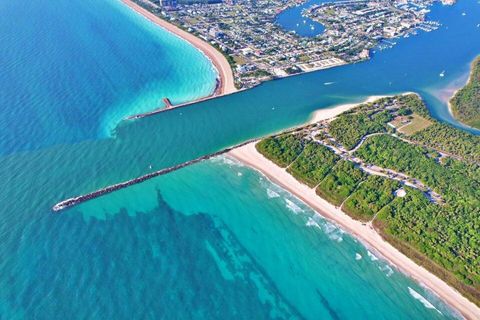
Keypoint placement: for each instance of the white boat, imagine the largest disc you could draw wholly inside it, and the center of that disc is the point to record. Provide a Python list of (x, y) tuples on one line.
[(442, 74)]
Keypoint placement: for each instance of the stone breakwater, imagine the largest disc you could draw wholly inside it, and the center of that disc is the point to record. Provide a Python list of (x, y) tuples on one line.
[(98, 193)]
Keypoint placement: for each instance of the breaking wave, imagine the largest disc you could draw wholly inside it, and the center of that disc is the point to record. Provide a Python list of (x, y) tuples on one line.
[(333, 232), (272, 194), (422, 299), (293, 207), (372, 256), (312, 223), (387, 269), (228, 161)]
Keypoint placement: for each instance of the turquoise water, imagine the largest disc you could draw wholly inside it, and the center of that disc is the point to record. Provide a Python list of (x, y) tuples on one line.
[(70, 72), (208, 241)]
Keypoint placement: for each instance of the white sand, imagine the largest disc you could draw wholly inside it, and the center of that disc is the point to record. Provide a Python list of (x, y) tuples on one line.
[(227, 84), (364, 232), (327, 113)]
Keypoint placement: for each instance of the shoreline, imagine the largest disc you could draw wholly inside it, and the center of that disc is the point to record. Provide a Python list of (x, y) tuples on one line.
[(453, 94), (225, 80), (331, 112), (248, 155)]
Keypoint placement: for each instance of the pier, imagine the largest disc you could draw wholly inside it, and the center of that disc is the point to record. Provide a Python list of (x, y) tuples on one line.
[(98, 193), (167, 102), (169, 106)]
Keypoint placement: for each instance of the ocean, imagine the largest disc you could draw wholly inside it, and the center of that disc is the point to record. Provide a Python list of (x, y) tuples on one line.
[(214, 240)]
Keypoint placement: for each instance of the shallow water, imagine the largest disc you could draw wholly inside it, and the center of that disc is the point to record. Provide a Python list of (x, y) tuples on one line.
[(72, 70), (130, 253)]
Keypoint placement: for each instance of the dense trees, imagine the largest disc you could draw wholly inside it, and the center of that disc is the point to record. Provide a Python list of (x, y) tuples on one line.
[(313, 164), (444, 236), (466, 102), (448, 234), (450, 140), (281, 149), (371, 196), (348, 129), (340, 183)]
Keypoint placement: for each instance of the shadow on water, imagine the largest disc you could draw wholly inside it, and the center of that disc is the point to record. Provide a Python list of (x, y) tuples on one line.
[(72, 259), (153, 246), (62, 171)]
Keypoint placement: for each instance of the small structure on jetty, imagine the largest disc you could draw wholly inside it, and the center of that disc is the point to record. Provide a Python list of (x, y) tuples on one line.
[(168, 103), (168, 106)]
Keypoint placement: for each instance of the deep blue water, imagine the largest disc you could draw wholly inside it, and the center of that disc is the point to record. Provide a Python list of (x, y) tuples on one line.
[(208, 241)]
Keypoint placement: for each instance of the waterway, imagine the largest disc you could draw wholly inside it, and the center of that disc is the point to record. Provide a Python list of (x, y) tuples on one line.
[(293, 20), (257, 251)]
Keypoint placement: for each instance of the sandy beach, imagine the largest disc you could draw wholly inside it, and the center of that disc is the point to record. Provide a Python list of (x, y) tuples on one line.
[(225, 79), (332, 112), (248, 155)]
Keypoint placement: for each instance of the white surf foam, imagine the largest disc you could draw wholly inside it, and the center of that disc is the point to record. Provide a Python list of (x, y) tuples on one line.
[(358, 256), (228, 161), (422, 299), (293, 207), (333, 232), (387, 269), (272, 194), (372, 256), (312, 223)]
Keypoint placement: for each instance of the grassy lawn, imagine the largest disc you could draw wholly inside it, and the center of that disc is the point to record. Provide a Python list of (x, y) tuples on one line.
[(192, 21), (239, 60), (417, 124)]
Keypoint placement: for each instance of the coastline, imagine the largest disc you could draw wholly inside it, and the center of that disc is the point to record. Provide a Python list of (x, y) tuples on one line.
[(225, 81), (453, 94), (248, 155), (331, 112)]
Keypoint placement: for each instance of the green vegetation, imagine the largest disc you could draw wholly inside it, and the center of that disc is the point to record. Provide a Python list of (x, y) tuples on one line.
[(417, 124), (438, 229), (450, 140), (440, 136), (412, 103), (281, 149), (340, 183), (348, 129), (259, 73), (466, 102), (371, 196), (448, 233), (313, 164)]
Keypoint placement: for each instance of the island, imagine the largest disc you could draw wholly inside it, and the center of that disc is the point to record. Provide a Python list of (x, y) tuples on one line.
[(404, 183), (465, 104)]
